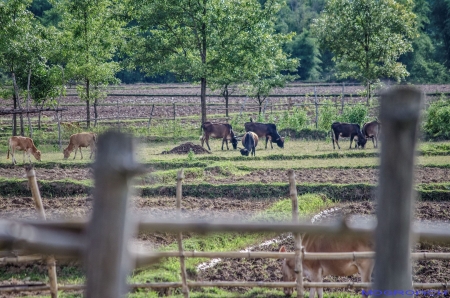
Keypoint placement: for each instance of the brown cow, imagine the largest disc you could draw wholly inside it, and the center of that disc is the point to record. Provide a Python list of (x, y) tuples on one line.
[(372, 130), (78, 140), (22, 144), (315, 270), (347, 130), (222, 131), (249, 141), (265, 130)]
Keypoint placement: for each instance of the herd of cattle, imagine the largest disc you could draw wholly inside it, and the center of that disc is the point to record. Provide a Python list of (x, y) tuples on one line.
[(256, 130), (224, 131)]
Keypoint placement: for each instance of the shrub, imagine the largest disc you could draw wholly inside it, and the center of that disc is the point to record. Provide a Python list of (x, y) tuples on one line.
[(296, 120), (354, 114), (327, 115), (437, 119)]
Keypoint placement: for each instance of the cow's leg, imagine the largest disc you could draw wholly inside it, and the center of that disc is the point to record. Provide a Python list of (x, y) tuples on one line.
[(375, 141), (267, 139), (13, 156), (24, 157), (92, 151), (76, 148), (81, 152), (351, 140), (207, 142), (337, 141), (365, 268), (29, 156)]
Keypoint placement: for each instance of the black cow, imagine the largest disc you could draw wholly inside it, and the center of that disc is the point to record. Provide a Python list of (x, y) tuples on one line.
[(372, 130), (348, 130), (222, 131), (249, 141), (265, 130)]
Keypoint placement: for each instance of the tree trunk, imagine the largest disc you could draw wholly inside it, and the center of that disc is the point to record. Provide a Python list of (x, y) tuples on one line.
[(14, 124), (88, 109), (30, 129), (260, 105), (17, 100), (203, 99), (368, 93), (95, 112)]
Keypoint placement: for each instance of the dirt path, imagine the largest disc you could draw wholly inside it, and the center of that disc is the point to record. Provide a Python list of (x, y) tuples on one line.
[(422, 174)]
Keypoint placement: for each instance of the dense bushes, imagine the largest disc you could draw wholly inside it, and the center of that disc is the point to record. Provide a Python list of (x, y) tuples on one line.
[(437, 120)]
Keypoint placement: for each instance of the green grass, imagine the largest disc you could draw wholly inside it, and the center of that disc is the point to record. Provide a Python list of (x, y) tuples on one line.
[(168, 270)]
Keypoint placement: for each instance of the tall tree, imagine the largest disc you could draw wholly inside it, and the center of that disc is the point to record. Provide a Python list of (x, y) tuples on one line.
[(204, 40), (92, 33), (367, 37)]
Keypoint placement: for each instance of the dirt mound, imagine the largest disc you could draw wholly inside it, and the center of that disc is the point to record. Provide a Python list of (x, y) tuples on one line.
[(185, 148)]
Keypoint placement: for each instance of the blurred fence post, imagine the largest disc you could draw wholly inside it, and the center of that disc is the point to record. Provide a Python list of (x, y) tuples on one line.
[(51, 263), (399, 112), (151, 115), (174, 111), (179, 194), (342, 99), (297, 236), (107, 259)]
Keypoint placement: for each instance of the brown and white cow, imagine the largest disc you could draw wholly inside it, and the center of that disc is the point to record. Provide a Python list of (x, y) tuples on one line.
[(372, 130), (316, 270), (78, 140), (222, 131), (347, 130), (249, 141), (22, 144)]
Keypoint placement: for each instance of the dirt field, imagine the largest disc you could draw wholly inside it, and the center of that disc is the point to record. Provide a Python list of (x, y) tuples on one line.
[(343, 176)]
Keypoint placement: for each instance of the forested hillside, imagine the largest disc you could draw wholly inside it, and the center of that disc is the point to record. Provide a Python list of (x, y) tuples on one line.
[(429, 62)]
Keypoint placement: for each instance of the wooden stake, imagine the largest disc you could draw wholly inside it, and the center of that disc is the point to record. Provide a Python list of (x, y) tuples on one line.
[(399, 113), (51, 263), (185, 288), (297, 236)]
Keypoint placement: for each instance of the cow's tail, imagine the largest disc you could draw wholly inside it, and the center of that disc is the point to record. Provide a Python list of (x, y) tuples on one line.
[(9, 147)]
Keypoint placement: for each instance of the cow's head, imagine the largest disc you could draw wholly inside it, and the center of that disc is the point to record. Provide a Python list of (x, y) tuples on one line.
[(66, 153), (287, 269), (244, 152), (37, 155), (280, 142), (234, 142), (362, 141)]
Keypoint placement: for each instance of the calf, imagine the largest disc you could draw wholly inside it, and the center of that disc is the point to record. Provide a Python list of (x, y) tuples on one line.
[(249, 141), (22, 144), (348, 130), (218, 130), (372, 130), (316, 270), (78, 140), (265, 130)]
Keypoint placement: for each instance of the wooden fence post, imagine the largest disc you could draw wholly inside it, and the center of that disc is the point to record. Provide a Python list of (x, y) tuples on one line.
[(118, 114), (297, 236), (51, 263), (185, 288), (108, 260), (174, 112), (151, 115), (399, 112), (317, 106), (243, 106), (342, 99)]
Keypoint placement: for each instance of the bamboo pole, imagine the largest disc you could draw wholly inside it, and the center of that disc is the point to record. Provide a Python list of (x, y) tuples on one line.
[(336, 285), (399, 113), (150, 119), (51, 264), (107, 257), (185, 288), (297, 236)]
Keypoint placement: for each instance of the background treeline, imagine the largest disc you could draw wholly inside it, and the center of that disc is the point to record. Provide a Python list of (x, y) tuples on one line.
[(428, 63)]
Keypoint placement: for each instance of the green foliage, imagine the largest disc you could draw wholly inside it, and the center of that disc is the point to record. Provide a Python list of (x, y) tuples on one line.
[(191, 155), (295, 120), (437, 119), (367, 37), (328, 113), (354, 114)]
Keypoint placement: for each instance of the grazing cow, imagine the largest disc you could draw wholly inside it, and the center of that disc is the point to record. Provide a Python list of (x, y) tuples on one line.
[(316, 270), (22, 144), (372, 130), (78, 140), (222, 131), (348, 130), (249, 141), (263, 130)]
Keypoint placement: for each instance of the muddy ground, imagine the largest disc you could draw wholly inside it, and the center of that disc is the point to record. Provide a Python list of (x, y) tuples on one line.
[(430, 271), (340, 176)]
